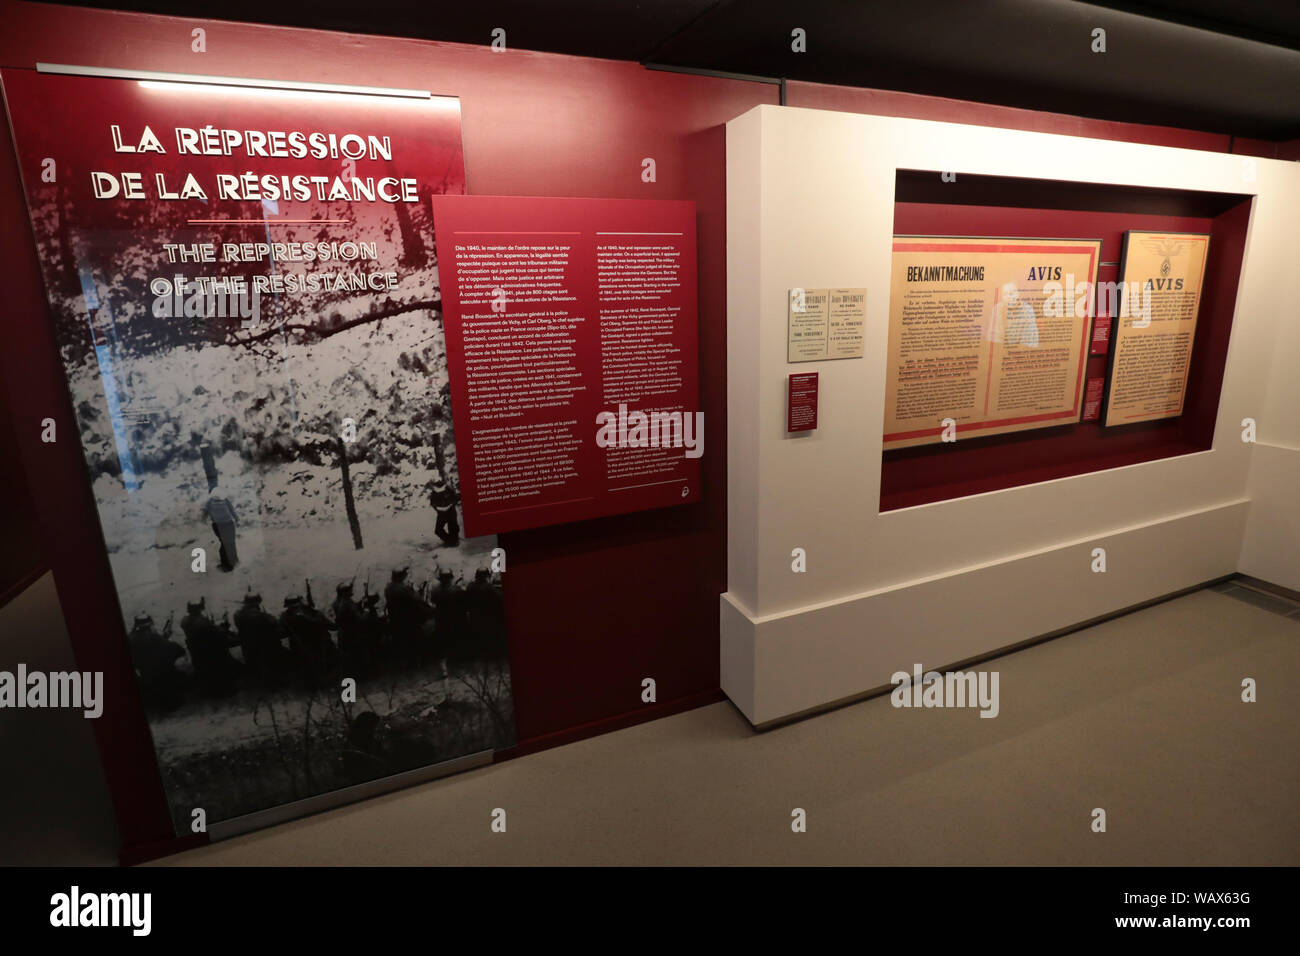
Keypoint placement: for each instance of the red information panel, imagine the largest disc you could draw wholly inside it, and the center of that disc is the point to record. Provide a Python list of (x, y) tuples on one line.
[(1100, 335), (572, 349), (1092, 399), (801, 403)]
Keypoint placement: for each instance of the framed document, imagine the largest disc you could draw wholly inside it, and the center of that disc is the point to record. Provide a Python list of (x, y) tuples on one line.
[(1161, 274), (986, 336), (825, 324)]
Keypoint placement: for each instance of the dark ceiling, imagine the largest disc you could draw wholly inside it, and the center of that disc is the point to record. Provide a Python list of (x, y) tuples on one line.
[(1226, 66)]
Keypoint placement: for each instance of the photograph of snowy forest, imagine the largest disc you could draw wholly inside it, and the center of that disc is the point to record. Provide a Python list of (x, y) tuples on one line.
[(276, 482)]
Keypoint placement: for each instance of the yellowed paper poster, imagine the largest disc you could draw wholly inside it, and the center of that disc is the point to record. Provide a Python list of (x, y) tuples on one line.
[(847, 322), (808, 327), (826, 324), (1151, 344), (986, 336)]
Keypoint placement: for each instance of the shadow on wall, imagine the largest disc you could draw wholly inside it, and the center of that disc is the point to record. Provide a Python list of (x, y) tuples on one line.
[(21, 555), (54, 806)]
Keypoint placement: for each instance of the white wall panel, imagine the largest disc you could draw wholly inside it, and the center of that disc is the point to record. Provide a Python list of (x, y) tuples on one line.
[(811, 204)]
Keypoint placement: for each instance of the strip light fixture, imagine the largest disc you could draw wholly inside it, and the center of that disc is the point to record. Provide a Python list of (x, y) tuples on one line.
[(294, 86)]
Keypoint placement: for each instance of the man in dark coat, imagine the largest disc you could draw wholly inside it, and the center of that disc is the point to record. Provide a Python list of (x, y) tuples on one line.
[(443, 500), (222, 515)]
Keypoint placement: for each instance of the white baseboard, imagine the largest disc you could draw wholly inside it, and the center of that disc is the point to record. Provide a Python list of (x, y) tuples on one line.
[(783, 664)]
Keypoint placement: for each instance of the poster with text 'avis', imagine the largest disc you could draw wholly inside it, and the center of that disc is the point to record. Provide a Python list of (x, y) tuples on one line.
[(986, 335), (1161, 274)]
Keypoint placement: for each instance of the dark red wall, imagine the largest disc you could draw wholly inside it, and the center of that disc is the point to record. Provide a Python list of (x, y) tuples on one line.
[(593, 607), (22, 558)]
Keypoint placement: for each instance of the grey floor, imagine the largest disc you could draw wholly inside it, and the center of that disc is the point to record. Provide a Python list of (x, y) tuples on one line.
[(1141, 716)]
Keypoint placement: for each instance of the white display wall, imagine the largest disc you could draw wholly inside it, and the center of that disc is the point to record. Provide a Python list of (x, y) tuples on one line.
[(810, 204)]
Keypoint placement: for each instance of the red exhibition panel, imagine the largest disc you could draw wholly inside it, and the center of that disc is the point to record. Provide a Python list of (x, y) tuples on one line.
[(801, 402), (571, 334)]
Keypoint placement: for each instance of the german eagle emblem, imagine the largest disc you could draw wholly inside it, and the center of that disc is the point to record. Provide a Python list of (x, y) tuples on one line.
[(1165, 247)]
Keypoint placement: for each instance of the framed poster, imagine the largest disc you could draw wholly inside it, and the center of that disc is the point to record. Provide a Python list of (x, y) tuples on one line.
[(986, 335), (1161, 274), (825, 324), (244, 291)]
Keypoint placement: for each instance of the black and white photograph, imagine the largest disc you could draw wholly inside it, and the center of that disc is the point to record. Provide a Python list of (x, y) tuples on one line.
[(274, 467)]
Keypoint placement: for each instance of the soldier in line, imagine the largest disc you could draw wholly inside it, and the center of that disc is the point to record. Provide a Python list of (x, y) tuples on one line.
[(309, 640), (162, 686), (407, 614), (260, 638), (487, 617), (455, 623), (449, 620), (209, 646), (375, 629), (354, 649)]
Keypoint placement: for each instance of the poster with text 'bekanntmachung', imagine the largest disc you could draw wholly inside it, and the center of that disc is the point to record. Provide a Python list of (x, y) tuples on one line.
[(986, 336)]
